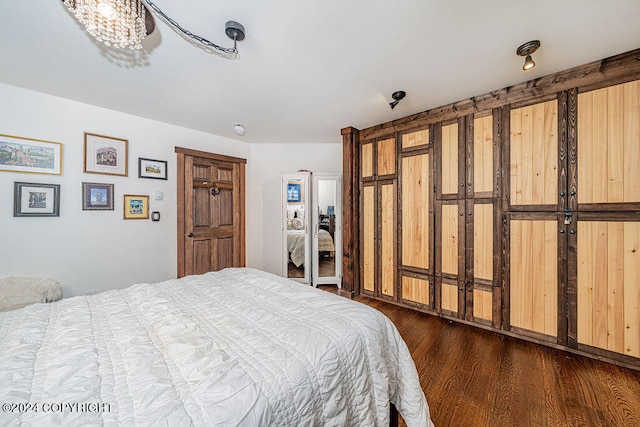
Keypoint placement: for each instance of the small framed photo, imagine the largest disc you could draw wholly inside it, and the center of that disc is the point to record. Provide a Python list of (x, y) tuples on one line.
[(136, 207), (30, 199), (18, 154), (294, 192), (105, 155), (149, 168), (97, 197)]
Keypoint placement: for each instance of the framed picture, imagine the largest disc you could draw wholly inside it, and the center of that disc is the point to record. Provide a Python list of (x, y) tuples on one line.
[(97, 197), (105, 155), (30, 199), (30, 155), (294, 192), (148, 168), (136, 207)]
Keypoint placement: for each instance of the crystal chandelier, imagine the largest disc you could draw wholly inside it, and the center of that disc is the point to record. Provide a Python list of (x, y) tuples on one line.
[(124, 23), (117, 23)]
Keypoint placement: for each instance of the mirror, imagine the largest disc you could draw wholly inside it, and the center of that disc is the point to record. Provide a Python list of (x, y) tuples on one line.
[(297, 227), (326, 230)]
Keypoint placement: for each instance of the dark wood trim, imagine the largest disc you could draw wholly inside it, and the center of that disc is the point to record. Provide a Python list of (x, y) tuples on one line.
[(180, 213), (437, 151), (467, 250), (346, 294), (608, 216), (483, 284), (534, 208), (541, 338), (607, 355), (603, 208), (544, 216), (483, 195), (432, 211), (498, 249), (350, 210), (469, 153), (563, 146), (572, 203), (462, 240), (619, 68), (562, 283), (505, 240), (213, 156)]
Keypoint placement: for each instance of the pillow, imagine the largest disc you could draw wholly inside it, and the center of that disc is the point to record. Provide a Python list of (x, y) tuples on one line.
[(297, 223)]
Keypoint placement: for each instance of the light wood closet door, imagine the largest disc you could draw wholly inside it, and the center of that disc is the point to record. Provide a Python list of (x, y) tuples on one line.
[(416, 207), (379, 217), (450, 218), (533, 221), (608, 226), (483, 263)]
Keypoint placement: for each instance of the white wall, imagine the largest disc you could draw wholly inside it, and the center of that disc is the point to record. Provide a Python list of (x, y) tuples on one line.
[(268, 162), (97, 249)]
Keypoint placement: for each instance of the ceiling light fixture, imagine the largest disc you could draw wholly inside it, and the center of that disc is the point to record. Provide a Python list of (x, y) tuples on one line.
[(125, 23), (238, 129), (526, 50), (397, 96)]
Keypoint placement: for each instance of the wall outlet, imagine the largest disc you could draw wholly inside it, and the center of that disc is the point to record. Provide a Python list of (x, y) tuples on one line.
[(90, 292)]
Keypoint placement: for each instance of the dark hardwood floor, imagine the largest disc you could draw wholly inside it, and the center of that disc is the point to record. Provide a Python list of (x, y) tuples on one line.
[(474, 377)]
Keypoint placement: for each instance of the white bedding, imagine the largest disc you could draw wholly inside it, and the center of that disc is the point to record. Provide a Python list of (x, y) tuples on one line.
[(296, 241), (235, 347)]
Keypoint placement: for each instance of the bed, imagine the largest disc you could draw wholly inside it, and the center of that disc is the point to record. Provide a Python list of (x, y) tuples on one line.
[(296, 242), (236, 347)]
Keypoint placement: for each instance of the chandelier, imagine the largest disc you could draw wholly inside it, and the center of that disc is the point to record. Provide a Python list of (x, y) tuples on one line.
[(125, 23)]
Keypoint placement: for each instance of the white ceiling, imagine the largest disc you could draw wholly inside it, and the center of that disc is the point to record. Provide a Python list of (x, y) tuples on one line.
[(307, 67)]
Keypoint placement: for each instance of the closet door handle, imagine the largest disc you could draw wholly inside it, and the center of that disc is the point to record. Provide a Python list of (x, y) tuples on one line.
[(190, 235)]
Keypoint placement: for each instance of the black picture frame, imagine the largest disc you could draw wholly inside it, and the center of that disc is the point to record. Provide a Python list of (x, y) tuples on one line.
[(97, 196), (152, 169), (36, 200)]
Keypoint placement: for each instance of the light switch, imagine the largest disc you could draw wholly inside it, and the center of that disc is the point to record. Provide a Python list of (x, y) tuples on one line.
[(159, 195)]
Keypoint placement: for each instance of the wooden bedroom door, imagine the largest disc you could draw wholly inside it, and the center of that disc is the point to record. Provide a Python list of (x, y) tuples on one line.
[(379, 217), (211, 228)]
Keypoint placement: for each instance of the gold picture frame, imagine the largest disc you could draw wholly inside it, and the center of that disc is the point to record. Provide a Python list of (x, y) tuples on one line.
[(136, 206), (105, 155), (29, 155)]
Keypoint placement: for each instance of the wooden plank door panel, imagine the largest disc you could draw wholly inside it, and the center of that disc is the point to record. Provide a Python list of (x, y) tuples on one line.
[(388, 237), (534, 276), (417, 212), (369, 238), (609, 146), (534, 156), (386, 157), (449, 160), (417, 289), (608, 286)]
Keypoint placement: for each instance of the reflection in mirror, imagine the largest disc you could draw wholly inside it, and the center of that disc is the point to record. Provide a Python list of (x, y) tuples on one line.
[(326, 227), (296, 229)]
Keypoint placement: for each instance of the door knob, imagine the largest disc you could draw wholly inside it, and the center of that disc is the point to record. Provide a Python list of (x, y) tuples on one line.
[(190, 235)]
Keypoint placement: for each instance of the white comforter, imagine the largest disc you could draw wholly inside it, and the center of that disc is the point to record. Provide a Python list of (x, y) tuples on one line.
[(236, 347)]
